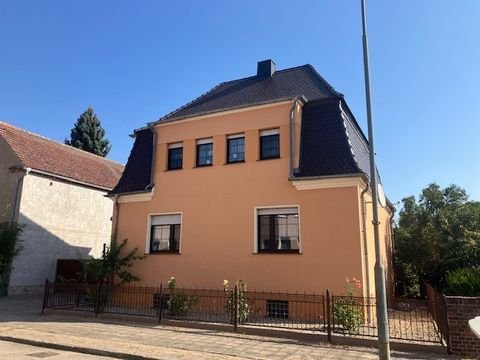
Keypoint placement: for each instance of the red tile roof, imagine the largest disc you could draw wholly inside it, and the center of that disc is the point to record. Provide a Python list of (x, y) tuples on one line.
[(45, 155)]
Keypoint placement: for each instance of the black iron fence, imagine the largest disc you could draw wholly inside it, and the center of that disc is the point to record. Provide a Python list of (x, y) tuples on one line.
[(409, 320), (4, 277)]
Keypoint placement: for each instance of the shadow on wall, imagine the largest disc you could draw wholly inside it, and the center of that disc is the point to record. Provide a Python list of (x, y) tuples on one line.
[(41, 249)]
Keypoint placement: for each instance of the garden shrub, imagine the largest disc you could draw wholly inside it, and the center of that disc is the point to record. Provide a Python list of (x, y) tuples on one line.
[(463, 282), (347, 309), (180, 303)]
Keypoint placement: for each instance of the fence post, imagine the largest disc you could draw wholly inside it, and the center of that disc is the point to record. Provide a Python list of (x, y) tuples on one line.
[(45, 296), (97, 299), (160, 305), (235, 308), (328, 314)]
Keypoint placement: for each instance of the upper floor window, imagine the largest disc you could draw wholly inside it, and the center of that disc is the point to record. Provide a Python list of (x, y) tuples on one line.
[(175, 156), (204, 152), (235, 148), (278, 230), (269, 144), (165, 233)]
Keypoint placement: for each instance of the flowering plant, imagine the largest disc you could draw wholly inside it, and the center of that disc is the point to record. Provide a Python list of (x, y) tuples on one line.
[(347, 309), (172, 282), (237, 305)]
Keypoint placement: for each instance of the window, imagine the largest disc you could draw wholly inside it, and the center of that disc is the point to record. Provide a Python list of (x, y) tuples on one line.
[(278, 230), (269, 144), (277, 309), (165, 233), (235, 148), (175, 156), (204, 152)]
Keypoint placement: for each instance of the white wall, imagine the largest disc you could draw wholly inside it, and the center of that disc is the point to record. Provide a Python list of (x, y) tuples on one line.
[(62, 221)]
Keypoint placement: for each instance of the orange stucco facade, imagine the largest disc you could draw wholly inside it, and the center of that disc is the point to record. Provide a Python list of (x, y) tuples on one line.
[(218, 206)]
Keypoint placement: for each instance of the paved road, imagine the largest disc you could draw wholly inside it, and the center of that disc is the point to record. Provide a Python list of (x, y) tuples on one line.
[(20, 319), (11, 350)]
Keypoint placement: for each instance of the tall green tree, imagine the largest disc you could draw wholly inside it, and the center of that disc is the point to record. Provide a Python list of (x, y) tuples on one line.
[(88, 134), (438, 234)]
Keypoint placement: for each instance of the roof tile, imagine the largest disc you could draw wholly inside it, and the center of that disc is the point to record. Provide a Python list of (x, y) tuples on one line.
[(45, 155)]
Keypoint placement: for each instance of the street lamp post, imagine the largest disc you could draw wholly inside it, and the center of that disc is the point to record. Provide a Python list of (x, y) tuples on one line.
[(380, 292)]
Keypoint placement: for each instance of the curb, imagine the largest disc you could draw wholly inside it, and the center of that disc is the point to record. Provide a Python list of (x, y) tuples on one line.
[(77, 349)]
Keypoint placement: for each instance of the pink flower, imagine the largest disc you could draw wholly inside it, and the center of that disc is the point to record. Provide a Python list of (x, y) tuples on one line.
[(358, 285)]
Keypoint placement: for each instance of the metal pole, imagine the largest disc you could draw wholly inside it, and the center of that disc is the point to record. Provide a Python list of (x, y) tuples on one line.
[(380, 291)]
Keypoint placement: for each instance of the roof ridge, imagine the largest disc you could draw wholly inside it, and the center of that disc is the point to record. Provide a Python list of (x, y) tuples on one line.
[(172, 113), (276, 72), (59, 143)]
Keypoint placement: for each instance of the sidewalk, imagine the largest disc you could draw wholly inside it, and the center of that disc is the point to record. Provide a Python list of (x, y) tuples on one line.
[(20, 321)]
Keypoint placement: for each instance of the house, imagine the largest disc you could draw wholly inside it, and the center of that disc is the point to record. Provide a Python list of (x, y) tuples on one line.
[(263, 179), (57, 193)]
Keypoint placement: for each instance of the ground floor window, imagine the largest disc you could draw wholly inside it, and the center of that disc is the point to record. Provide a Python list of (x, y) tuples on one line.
[(278, 230), (165, 233), (277, 309)]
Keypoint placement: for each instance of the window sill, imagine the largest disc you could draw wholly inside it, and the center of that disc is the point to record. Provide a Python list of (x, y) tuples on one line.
[(286, 252), (174, 169), (202, 166), (270, 158), (163, 253), (235, 162)]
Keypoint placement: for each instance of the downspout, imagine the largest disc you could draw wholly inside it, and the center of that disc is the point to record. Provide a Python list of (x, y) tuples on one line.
[(116, 209), (25, 172), (365, 249), (292, 138), (392, 259), (154, 148)]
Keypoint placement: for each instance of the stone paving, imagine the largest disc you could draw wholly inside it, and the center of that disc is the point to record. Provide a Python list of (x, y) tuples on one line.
[(10, 350), (20, 321)]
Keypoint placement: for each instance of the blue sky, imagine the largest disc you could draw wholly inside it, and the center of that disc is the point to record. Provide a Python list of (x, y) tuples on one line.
[(134, 61)]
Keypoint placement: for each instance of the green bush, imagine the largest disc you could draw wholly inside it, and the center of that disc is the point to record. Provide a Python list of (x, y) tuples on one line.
[(463, 282), (180, 303), (347, 313)]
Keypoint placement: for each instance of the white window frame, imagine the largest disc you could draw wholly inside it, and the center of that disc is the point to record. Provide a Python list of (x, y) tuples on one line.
[(272, 207), (149, 230)]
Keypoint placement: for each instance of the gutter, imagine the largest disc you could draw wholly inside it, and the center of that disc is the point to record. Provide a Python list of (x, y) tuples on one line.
[(336, 176), (365, 248), (296, 99), (259, 103)]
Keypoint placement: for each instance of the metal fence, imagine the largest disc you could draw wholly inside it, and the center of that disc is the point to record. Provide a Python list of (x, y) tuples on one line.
[(409, 320), (4, 284)]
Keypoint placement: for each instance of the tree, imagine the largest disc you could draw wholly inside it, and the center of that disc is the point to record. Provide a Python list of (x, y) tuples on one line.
[(88, 134), (10, 246), (438, 234), (114, 264)]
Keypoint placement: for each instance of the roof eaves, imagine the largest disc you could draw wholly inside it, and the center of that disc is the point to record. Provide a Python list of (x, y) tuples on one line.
[(260, 103), (69, 179)]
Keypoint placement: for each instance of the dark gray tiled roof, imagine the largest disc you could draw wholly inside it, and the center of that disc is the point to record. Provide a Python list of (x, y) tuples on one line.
[(136, 176), (283, 84), (331, 144)]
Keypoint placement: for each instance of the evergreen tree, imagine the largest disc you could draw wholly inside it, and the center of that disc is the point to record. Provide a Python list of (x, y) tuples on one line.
[(88, 134)]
